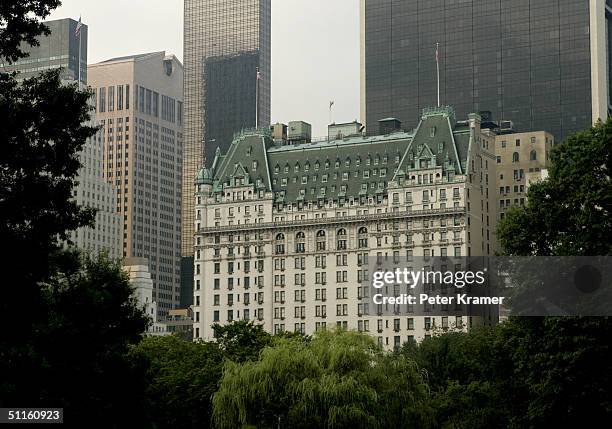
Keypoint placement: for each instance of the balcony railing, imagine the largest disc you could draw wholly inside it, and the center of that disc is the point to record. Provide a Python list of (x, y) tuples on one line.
[(414, 214)]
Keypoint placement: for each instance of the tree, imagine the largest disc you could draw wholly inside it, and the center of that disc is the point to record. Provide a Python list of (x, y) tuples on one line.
[(76, 356), (335, 380), (20, 23), (565, 362), (471, 376), (41, 135), (241, 341), (182, 377), (570, 213)]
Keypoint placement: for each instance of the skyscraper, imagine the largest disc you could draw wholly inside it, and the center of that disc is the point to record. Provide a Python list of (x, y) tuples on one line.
[(60, 49), (140, 109), (542, 64), (226, 43)]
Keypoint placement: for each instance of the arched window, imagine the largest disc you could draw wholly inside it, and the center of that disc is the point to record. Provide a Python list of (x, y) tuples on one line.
[(300, 242), (341, 239), (321, 240), (515, 157), (362, 238), (533, 155), (279, 247)]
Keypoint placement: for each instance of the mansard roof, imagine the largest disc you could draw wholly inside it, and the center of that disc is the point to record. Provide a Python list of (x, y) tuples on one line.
[(349, 167)]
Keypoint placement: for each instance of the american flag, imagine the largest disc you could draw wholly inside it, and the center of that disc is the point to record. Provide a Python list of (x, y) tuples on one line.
[(77, 31)]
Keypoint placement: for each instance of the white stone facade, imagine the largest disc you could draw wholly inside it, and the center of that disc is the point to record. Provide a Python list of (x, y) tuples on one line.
[(297, 266)]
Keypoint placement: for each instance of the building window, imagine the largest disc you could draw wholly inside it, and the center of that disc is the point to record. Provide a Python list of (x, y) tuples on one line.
[(119, 97), (111, 98), (280, 244), (533, 156), (341, 239), (363, 237), (102, 100), (300, 242), (515, 157)]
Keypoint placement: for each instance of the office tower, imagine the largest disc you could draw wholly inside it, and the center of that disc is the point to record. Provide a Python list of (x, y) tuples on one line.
[(544, 65), (521, 158), (60, 49), (139, 106), (226, 42), (93, 191), (286, 229)]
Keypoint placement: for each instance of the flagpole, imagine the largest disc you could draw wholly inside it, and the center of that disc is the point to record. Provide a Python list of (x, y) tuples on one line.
[(438, 70), (79, 60), (257, 99)]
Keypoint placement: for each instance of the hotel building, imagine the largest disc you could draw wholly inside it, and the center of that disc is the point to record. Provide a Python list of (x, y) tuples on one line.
[(286, 228)]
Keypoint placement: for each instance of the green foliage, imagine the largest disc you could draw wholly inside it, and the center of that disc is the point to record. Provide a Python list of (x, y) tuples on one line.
[(182, 377), (469, 375), (526, 372), (76, 354), (20, 24), (242, 340), (41, 134), (335, 380), (570, 213)]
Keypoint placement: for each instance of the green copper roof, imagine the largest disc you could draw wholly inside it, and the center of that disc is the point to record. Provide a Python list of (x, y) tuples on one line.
[(351, 167)]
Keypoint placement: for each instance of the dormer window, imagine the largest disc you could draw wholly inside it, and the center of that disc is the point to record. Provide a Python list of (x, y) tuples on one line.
[(297, 168), (432, 132)]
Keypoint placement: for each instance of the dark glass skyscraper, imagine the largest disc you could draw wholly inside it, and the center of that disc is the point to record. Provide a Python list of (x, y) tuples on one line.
[(60, 49), (226, 42), (541, 64)]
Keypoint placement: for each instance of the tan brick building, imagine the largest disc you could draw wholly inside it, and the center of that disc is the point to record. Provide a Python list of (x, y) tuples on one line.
[(139, 106), (520, 157)]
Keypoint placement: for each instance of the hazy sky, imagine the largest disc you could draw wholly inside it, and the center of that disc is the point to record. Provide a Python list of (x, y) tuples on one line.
[(315, 48)]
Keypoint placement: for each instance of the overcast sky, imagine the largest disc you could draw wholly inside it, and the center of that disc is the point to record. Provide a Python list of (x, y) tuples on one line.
[(315, 48)]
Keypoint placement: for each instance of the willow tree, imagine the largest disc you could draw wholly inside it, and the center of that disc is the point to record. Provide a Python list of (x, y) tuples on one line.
[(336, 380)]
